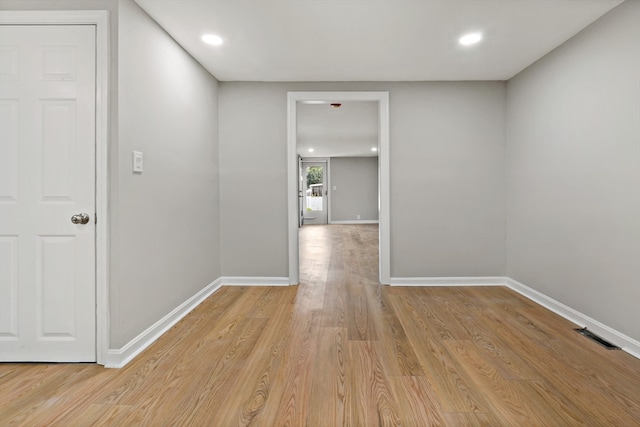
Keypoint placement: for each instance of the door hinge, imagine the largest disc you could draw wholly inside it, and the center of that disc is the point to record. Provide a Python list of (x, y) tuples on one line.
[(95, 218)]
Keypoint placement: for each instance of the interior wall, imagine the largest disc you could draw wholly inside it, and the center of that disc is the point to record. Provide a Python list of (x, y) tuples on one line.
[(164, 224), (447, 176), (573, 172), (354, 188), (165, 244)]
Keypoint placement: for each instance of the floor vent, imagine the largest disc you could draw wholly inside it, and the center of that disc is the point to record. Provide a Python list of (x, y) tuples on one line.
[(606, 344)]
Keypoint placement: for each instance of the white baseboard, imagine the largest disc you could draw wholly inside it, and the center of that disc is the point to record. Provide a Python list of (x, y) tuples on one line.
[(448, 281), (356, 221), (254, 281), (117, 358), (628, 344)]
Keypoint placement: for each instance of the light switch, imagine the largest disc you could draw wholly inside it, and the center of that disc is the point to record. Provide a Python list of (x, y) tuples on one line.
[(137, 161), (334, 188)]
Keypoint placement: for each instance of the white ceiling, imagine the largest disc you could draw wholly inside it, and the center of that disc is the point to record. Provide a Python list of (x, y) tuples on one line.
[(348, 131), (371, 40)]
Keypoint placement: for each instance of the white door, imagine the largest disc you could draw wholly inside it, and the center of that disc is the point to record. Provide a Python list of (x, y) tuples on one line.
[(315, 197), (47, 175)]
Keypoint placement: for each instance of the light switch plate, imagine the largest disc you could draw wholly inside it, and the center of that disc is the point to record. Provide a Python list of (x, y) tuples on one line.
[(137, 161)]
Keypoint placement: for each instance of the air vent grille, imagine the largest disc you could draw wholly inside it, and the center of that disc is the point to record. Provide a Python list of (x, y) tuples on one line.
[(606, 344)]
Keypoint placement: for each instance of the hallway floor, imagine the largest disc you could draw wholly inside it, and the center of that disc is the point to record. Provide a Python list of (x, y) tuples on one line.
[(341, 350)]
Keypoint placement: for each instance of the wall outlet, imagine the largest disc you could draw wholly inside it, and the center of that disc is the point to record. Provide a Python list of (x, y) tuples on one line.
[(357, 216)]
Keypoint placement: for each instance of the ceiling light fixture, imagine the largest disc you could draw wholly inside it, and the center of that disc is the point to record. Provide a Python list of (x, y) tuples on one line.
[(469, 39), (212, 39), (311, 150), (374, 148), (336, 105)]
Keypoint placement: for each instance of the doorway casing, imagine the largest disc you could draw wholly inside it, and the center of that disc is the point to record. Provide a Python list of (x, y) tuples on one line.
[(382, 98)]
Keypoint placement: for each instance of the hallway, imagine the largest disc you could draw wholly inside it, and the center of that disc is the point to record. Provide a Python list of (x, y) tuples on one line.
[(341, 350)]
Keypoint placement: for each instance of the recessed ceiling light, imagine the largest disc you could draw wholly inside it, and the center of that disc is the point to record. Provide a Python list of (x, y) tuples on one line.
[(374, 148), (212, 39), (311, 150), (469, 39)]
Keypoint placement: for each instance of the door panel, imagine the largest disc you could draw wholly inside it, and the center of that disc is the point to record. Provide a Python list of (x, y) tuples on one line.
[(47, 160), (9, 287), (9, 114), (315, 198)]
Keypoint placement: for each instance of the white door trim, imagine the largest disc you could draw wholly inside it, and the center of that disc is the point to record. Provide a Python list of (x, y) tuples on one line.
[(382, 98), (99, 18)]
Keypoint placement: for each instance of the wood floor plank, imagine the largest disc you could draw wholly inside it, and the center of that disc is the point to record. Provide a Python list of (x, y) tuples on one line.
[(435, 305), (334, 310), (501, 355), (371, 399), (217, 373), (328, 390), (466, 419), (505, 398), (361, 324), (418, 404), (230, 319), (98, 415), (450, 382), (245, 396), (568, 413), (339, 349), (398, 354), (288, 403), (271, 300), (13, 386), (40, 408)]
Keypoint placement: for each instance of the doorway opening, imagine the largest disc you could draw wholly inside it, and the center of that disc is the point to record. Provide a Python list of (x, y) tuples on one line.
[(297, 205), (314, 207)]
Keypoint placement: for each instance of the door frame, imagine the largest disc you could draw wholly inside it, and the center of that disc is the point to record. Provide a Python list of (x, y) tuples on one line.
[(327, 167), (99, 18), (382, 98)]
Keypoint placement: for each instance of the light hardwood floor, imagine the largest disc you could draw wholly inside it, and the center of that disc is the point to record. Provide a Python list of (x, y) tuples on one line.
[(340, 350)]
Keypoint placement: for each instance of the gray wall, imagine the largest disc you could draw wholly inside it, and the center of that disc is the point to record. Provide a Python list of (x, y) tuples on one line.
[(573, 170), (164, 229), (356, 193), (165, 243), (447, 176)]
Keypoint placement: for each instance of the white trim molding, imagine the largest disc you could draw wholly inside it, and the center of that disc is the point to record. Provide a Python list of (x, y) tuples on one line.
[(356, 221), (254, 281), (382, 98), (99, 18), (623, 341), (118, 358), (449, 281)]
